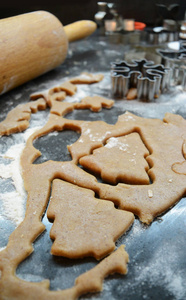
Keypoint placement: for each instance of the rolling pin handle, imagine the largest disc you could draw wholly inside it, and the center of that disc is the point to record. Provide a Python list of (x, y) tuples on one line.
[(79, 30)]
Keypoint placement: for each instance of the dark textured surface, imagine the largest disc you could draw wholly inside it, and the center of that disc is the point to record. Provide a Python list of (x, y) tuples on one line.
[(73, 10), (157, 268)]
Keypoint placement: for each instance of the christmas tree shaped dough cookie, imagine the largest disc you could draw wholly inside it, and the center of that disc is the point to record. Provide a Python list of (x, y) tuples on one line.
[(122, 159), (84, 225)]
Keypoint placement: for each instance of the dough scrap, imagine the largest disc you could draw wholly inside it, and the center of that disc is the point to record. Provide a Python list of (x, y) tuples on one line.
[(127, 152), (61, 110), (68, 87), (17, 119), (132, 94), (13, 288), (116, 262), (93, 135), (159, 137), (56, 93), (94, 103), (84, 225), (87, 78)]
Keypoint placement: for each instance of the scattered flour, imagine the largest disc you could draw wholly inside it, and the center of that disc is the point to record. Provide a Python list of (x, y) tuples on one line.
[(30, 131), (1, 249), (13, 207), (161, 269), (53, 133), (78, 96), (13, 202)]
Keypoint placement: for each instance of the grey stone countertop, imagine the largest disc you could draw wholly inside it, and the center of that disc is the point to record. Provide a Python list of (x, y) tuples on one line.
[(157, 267)]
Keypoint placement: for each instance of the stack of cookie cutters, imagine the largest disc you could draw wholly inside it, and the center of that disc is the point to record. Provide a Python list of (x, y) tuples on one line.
[(176, 60), (149, 79)]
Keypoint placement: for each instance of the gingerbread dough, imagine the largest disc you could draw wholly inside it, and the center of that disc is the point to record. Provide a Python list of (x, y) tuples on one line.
[(13, 288), (17, 119), (20, 241), (122, 159), (84, 225), (94, 103), (87, 78), (162, 145)]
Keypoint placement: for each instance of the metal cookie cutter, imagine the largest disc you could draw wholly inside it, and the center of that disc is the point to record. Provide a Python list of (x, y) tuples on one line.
[(176, 60), (149, 79)]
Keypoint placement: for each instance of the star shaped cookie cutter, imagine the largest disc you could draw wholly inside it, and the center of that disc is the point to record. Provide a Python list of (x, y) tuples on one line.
[(176, 60), (147, 78)]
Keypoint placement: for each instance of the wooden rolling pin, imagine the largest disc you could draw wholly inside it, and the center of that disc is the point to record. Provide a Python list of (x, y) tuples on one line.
[(34, 43)]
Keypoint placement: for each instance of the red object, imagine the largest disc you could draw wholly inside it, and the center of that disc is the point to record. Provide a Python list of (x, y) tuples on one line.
[(139, 25)]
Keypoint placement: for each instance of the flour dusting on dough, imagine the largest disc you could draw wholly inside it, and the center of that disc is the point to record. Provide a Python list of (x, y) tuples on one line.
[(114, 142)]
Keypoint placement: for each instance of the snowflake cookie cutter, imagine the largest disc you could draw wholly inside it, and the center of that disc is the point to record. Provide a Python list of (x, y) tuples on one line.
[(176, 60), (147, 78)]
